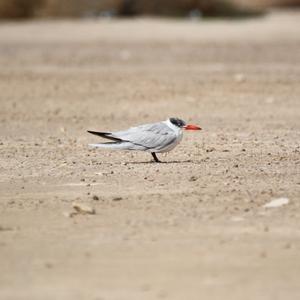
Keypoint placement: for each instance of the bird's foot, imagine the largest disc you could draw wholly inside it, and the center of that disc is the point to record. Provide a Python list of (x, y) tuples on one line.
[(157, 161), (155, 157)]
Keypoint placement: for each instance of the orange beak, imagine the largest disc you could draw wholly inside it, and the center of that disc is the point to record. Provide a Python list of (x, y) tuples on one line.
[(191, 127)]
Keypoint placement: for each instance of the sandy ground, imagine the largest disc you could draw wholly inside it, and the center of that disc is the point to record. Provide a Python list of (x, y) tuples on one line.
[(191, 228)]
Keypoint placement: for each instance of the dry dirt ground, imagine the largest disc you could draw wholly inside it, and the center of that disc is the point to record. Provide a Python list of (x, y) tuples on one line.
[(191, 228)]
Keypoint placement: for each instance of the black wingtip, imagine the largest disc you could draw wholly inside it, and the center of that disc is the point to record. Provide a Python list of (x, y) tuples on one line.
[(94, 132), (105, 135)]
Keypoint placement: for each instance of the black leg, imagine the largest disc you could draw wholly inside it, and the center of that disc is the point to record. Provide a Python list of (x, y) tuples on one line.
[(155, 157)]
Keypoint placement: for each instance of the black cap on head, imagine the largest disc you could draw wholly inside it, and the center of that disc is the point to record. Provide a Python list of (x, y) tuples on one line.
[(177, 122)]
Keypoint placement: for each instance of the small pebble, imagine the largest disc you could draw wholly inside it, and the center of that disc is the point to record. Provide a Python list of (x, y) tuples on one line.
[(210, 149), (193, 178), (117, 198), (83, 208)]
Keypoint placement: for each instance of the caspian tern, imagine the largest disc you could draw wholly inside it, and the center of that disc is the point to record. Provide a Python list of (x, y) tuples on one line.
[(154, 138)]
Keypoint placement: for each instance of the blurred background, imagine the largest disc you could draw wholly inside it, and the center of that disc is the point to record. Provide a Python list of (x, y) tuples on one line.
[(93, 8), (195, 227)]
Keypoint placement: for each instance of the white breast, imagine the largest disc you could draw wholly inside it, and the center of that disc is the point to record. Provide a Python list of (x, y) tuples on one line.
[(179, 134)]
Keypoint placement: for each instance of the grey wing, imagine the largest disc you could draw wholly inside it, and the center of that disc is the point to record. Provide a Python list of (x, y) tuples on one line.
[(151, 136)]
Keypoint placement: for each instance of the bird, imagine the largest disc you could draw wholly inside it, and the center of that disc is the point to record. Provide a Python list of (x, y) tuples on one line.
[(155, 138)]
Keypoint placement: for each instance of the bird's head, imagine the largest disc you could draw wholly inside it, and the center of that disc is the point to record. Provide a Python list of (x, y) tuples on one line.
[(182, 124)]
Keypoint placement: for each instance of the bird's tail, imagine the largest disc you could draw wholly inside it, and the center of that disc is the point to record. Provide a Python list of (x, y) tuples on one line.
[(116, 144)]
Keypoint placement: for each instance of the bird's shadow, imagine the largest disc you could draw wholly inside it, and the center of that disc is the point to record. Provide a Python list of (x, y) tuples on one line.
[(159, 163)]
